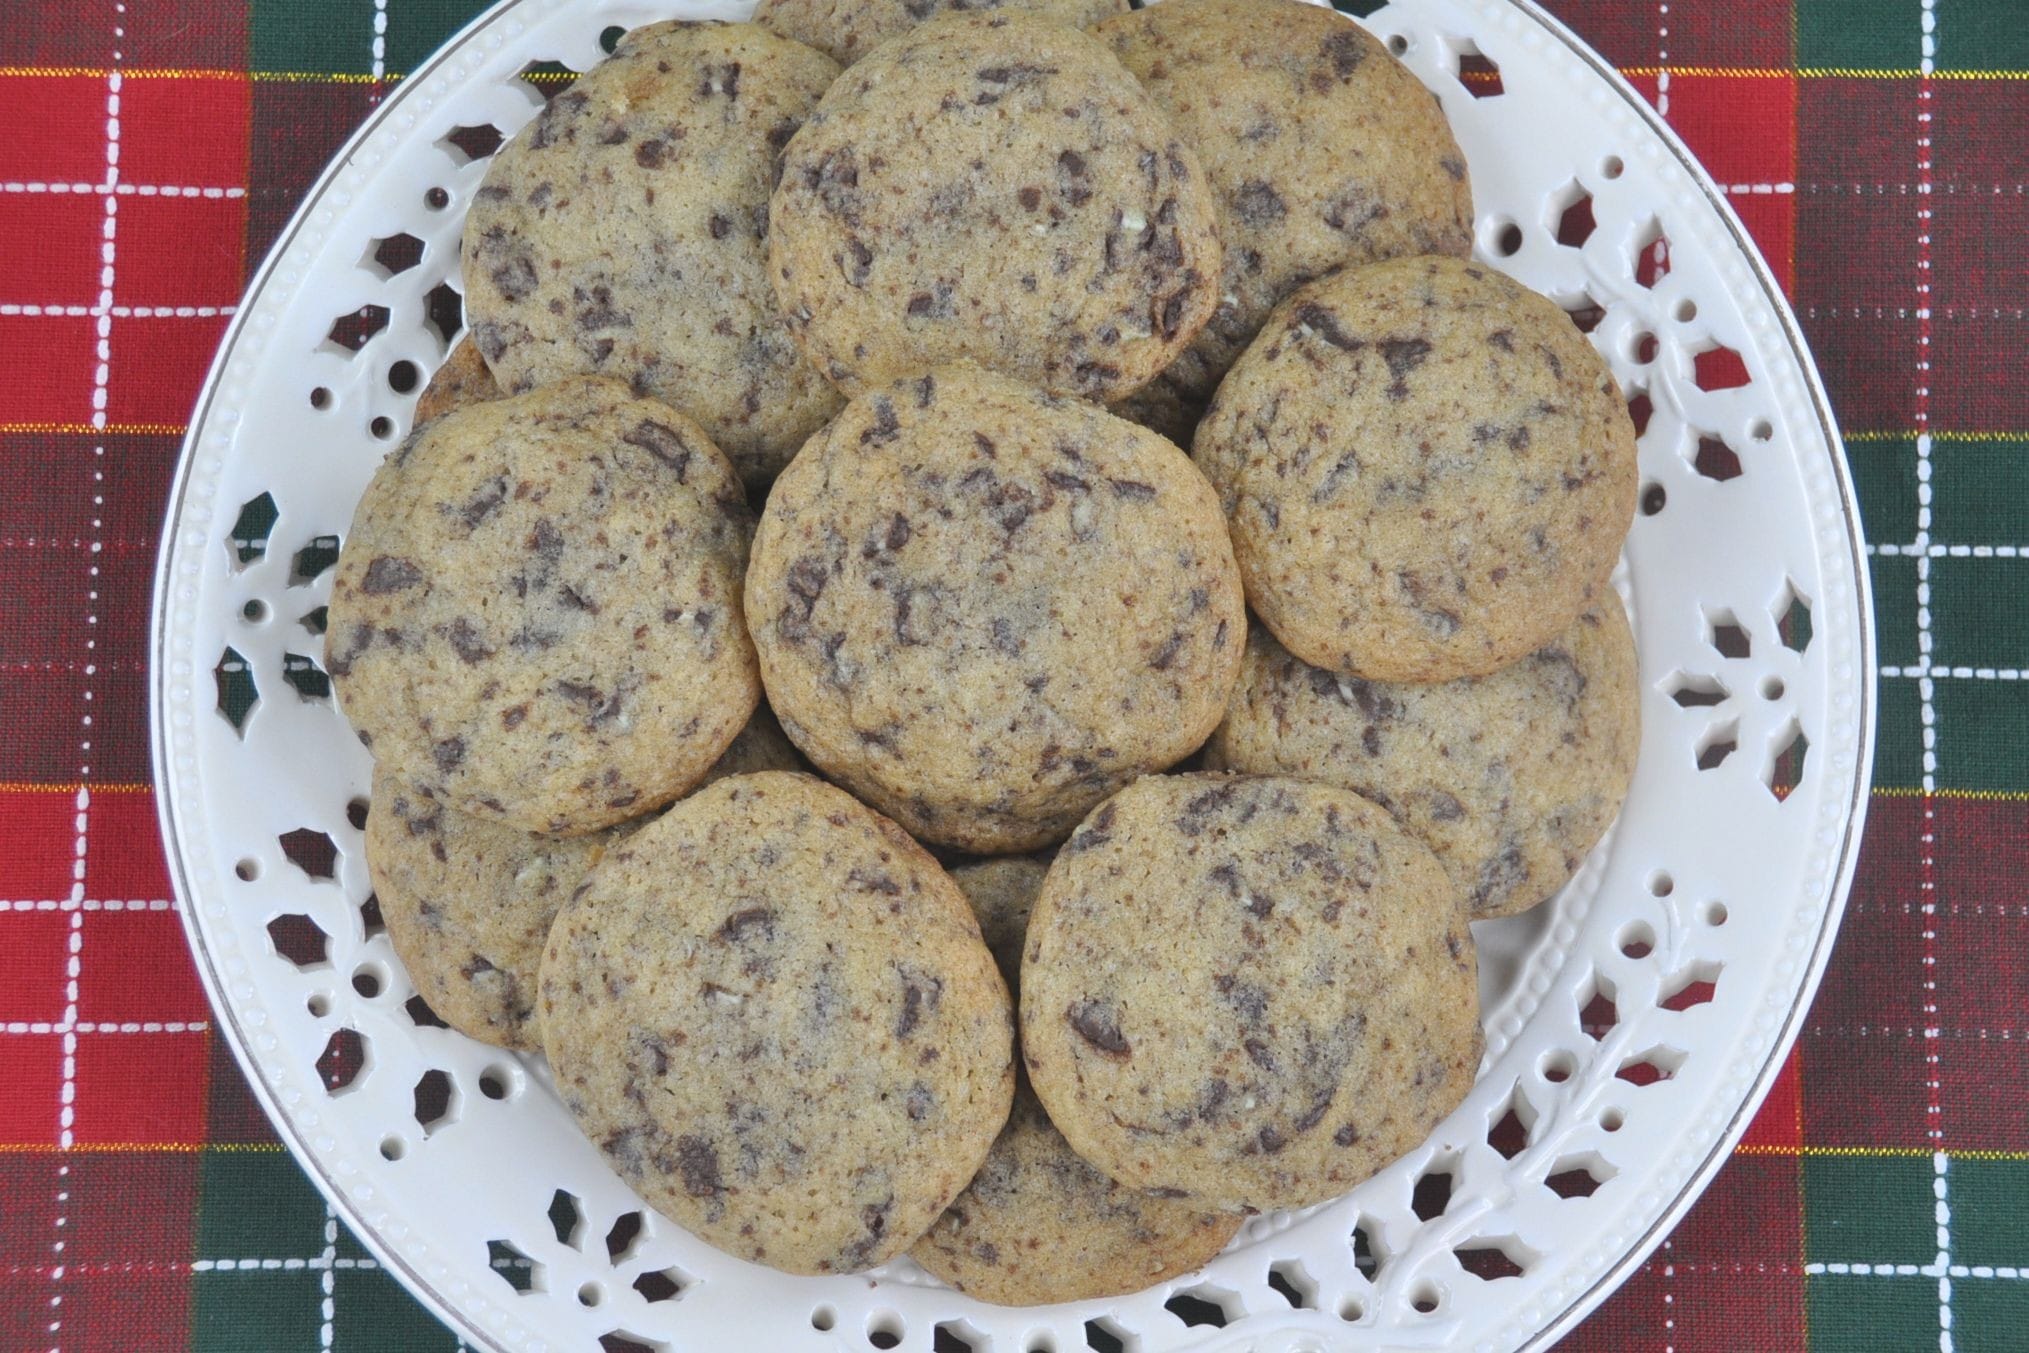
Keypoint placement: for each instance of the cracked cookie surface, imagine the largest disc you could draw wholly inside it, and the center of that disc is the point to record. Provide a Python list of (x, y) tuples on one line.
[(995, 188), (1510, 778), (1038, 1225), (774, 1015), (537, 608), (624, 234), (468, 903), (1428, 469), (1257, 991), (846, 30), (1323, 151), (983, 608)]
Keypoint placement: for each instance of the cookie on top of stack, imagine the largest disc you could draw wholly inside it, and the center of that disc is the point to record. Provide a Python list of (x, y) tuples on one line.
[(984, 608), (623, 234), (945, 324)]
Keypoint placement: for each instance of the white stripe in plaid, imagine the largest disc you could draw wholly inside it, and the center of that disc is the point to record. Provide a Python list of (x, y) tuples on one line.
[(328, 1262), (1914, 1271), (322, 1261), (1959, 673), (93, 1027), (122, 189), (1934, 551), (1905, 312), (105, 1268), (121, 311), (91, 904), (1926, 684), (102, 374)]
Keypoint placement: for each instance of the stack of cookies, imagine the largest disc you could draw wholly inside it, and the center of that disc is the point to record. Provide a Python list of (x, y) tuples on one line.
[(782, 637)]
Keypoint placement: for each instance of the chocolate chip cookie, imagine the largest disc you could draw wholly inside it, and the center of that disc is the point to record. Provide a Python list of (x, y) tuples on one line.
[(624, 234), (1258, 991), (846, 30), (983, 608), (462, 379), (997, 188), (537, 610), (1429, 471), (468, 903), (1322, 151), (1038, 1225), (773, 1014), (1509, 778)]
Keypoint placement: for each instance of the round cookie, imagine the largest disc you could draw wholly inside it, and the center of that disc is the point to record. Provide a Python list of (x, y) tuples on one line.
[(1429, 471), (1038, 1225), (1509, 778), (537, 610), (1255, 990), (773, 1013), (846, 30), (983, 608), (468, 903), (1323, 151), (994, 188), (462, 379), (623, 234)]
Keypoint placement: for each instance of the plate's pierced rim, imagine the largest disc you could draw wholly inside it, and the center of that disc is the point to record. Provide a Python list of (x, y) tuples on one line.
[(1768, 296), (1841, 880)]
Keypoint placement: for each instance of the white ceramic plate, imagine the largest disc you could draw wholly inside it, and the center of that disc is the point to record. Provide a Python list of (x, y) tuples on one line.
[(1697, 933)]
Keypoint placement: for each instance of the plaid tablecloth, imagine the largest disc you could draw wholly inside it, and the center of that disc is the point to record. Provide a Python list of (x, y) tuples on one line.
[(1875, 148)]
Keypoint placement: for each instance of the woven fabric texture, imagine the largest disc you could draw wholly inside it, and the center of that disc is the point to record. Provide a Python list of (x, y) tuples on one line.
[(1874, 147)]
